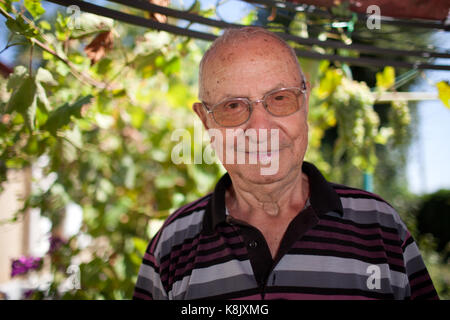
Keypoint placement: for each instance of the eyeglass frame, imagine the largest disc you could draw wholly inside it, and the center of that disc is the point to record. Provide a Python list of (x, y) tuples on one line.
[(251, 102)]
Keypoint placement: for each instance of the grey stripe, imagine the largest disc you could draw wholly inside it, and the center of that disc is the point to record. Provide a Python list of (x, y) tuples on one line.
[(372, 216), (333, 280), (148, 279), (178, 231), (411, 251), (337, 265), (217, 276), (218, 287), (361, 204), (414, 265), (371, 211)]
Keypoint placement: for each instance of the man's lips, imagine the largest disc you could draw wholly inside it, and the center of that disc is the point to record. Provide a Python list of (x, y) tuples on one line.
[(264, 157)]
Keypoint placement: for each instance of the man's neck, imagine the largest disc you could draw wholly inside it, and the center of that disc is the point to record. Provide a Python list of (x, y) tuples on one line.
[(275, 201)]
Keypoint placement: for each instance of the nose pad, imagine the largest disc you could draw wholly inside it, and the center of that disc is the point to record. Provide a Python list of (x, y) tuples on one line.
[(259, 116)]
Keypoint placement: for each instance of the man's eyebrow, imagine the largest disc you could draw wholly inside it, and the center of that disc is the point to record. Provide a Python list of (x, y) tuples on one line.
[(230, 96)]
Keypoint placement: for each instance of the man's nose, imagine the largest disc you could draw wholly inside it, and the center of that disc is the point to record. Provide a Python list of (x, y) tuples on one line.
[(259, 117)]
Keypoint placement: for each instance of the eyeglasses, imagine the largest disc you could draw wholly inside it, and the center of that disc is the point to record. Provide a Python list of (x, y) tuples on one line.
[(233, 112)]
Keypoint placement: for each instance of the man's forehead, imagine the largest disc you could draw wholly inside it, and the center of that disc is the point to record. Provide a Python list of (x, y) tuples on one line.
[(259, 45)]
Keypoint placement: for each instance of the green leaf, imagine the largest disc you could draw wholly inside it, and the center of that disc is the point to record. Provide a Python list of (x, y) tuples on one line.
[(7, 4), (386, 79), (140, 244), (23, 101), (19, 26), (61, 116), (42, 100), (444, 92), (44, 76), (34, 7), (16, 78)]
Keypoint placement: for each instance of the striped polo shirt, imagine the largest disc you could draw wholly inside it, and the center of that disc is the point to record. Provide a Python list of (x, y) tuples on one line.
[(345, 244)]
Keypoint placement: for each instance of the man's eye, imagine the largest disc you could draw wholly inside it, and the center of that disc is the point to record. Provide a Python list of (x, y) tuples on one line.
[(279, 98), (233, 105)]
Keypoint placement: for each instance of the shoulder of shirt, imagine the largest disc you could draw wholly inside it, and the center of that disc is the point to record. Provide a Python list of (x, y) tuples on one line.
[(181, 220), (360, 201), (350, 192), (188, 209)]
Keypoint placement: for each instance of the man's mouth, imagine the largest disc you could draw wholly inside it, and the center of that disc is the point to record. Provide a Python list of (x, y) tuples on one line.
[(263, 157)]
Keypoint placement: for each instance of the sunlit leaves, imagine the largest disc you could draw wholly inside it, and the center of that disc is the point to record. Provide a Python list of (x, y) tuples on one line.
[(7, 4), (444, 92), (385, 79), (34, 7), (19, 27)]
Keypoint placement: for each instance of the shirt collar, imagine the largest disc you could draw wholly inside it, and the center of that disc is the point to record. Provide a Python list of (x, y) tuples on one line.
[(323, 197)]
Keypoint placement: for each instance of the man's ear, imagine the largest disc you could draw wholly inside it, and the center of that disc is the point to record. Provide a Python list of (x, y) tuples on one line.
[(201, 113), (308, 92)]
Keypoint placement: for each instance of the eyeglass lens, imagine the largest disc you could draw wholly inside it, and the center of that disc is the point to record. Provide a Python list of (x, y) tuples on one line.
[(235, 112)]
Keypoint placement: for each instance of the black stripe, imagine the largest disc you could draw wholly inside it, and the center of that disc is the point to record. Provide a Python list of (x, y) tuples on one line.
[(140, 290), (421, 285), (432, 294), (374, 249), (330, 291), (342, 254), (374, 236), (374, 225), (407, 243), (203, 241), (418, 274), (234, 294), (201, 253)]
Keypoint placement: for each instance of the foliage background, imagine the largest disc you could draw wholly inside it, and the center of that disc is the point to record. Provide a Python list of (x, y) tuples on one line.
[(98, 105)]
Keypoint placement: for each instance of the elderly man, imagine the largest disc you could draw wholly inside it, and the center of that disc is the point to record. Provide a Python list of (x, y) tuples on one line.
[(289, 234)]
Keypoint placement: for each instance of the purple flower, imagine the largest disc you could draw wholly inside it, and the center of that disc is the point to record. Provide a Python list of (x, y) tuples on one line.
[(25, 264), (55, 243), (27, 294)]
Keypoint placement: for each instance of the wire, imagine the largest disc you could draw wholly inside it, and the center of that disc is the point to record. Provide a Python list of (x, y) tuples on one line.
[(329, 43), (140, 21), (383, 19)]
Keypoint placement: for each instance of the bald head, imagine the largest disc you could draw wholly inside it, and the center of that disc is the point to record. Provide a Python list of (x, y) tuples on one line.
[(242, 46)]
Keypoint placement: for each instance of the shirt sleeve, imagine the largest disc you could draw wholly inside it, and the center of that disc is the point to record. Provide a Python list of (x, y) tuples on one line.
[(420, 285), (149, 285)]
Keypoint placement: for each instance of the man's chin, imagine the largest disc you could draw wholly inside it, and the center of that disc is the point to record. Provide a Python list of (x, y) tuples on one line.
[(257, 173)]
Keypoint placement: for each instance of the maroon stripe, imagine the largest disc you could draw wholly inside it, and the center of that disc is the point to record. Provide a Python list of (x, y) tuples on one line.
[(309, 296), (347, 249), (176, 254), (350, 191), (140, 295), (187, 248), (354, 239), (408, 235), (362, 231), (252, 297), (150, 258), (422, 291), (186, 269), (177, 213), (419, 280)]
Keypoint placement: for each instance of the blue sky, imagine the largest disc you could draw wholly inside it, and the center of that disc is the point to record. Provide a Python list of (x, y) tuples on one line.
[(428, 164)]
